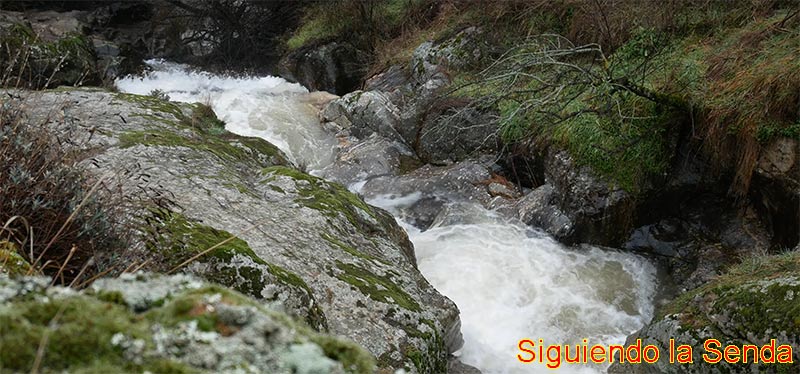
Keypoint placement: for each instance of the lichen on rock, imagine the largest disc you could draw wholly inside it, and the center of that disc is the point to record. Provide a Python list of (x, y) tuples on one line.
[(161, 324), (756, 301)]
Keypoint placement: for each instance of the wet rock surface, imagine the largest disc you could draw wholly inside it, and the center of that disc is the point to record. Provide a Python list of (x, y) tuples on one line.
[(403, 106), (576, 206)]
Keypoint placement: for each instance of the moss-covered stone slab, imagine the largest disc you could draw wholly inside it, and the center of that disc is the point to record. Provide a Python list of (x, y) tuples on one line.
[(159, 324)]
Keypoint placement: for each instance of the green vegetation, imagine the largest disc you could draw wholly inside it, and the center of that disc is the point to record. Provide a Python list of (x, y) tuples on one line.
[(753, 287), (369, 19), (753, 302), (75, 344), (53, 220), (98, 332), (176, 238), (174, 235), (31, 62), (729, 69), (12, 263), (179, 238), (351, 355)]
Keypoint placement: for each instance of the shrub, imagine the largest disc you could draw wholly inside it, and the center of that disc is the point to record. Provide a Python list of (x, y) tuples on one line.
[(30, 62), (49, 210), (364, 23)]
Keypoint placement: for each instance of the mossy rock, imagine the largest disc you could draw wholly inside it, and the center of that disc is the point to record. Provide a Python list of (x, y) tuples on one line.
[(754, 302), (334, 200), (232, 262), (197, 127), (11, 262), (379, 288), (186, 327)]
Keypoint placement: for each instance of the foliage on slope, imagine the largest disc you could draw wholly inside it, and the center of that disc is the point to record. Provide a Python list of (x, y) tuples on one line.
[(727, 67)]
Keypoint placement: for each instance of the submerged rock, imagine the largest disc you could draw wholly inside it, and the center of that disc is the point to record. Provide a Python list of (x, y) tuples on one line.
[(147, 323), (420, 196), (274, 232)]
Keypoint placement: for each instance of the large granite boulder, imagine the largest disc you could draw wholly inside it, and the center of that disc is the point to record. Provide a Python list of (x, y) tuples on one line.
[(363, 113), (375, 156), (407, 104), (262, 226)]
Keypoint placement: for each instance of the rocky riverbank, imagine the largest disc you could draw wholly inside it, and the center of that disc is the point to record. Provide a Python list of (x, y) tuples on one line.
[(685, 219), (235, 211)]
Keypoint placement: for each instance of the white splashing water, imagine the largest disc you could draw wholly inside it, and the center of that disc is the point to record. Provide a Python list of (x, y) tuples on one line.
[(510, 282), (265, 107)]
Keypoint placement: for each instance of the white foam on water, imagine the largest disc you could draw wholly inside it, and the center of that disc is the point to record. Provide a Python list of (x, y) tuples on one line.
[(510, 282), (267, 107)]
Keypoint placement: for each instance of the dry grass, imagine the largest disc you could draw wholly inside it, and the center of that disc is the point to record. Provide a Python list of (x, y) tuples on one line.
[(50, 210)]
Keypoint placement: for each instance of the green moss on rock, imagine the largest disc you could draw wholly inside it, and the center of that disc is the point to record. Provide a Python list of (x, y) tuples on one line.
[(345, 247), (332, 199), (77, 341), (353, 357), (226, 148), (86, 334), (179, 238), (152, 103), (195, 126), (378, 288), (11, 262), (204, 119), (175, 235), (754, 302)]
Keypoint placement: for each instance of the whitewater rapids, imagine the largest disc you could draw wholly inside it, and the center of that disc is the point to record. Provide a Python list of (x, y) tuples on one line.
[(509, 281)]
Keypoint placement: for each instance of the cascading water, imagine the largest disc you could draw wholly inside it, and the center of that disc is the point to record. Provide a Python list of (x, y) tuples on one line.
[(265, 107), (510, 282)]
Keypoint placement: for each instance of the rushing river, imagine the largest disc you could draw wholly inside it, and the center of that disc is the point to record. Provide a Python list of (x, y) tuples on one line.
[(509, 281)]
